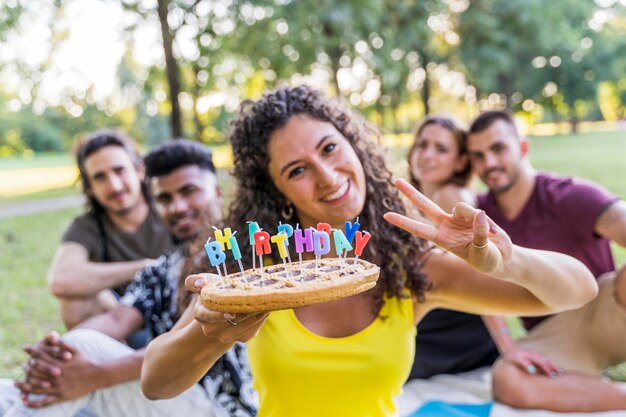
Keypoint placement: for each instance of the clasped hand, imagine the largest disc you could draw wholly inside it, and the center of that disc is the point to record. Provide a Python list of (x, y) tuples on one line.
[(57, 370)]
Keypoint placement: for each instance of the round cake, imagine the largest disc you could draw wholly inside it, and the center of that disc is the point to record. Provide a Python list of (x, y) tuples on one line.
[(295, 284)]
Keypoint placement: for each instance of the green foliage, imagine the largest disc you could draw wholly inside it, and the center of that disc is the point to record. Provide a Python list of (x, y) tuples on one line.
[(23, 133), (9, 16), (391, 59)]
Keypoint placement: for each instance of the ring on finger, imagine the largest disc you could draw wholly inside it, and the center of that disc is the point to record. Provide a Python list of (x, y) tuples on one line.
[(233, 322), (480, 246)]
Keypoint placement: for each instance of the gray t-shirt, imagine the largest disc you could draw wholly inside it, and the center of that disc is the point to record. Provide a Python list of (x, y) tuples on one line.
[(151, 240)]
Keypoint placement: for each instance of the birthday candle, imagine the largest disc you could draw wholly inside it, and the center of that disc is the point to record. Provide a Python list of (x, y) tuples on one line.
[(303, 240), (321, 243), (280, 239), (286, 229), (300, 253), (253, 227), (223, 238), (351, 229), (234, 247), (235, 250), (324, 227), (341, 242), (215, 254), (361, 241), (262, 245)]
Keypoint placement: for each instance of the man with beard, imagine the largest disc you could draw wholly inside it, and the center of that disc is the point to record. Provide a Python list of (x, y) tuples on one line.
[(120, 233), (89, 367), (558, 366)]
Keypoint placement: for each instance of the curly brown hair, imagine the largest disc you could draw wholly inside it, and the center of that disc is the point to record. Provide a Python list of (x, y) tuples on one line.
[(398, 253), (459, 132)]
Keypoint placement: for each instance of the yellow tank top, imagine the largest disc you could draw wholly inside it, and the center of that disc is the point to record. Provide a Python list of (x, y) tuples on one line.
[(299, 373)]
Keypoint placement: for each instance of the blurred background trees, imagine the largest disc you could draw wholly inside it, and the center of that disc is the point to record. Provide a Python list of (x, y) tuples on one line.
[(181, 67)]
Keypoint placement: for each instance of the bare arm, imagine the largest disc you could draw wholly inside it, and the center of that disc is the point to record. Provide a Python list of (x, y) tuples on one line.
[(72, 274), (611, 224), (533, 283), (178, 359), (118, 323), (485, 273), (120, 370), (500, 332)]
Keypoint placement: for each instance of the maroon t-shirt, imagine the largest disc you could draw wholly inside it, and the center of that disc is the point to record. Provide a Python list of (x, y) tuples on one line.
[(559, 216)]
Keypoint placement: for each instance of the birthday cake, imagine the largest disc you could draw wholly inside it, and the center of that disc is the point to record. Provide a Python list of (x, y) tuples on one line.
[(288, 286)]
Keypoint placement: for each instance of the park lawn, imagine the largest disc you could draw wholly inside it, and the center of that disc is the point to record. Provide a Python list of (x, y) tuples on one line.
[(36, 161), (27, 309), (40, 195), (27, 244), (596, 156)]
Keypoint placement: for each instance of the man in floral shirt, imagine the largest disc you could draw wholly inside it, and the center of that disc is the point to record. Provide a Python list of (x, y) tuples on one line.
[(89, 367)]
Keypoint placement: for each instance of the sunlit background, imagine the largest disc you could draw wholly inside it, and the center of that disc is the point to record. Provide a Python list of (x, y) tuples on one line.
[(73, 66), (169, 68)]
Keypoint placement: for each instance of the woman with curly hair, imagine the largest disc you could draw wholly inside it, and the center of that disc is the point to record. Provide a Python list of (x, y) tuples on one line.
[(301, 158)]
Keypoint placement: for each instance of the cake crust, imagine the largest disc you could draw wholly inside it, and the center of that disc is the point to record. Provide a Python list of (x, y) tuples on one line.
[(288, 286)]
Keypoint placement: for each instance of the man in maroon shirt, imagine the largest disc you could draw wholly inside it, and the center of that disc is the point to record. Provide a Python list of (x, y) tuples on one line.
[(558, 365)]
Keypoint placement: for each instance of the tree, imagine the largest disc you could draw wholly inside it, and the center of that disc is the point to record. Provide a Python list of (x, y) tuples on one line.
[(171, 67)]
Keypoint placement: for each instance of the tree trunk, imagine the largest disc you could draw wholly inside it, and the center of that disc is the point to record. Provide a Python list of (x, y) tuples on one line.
[(504, 82), (334, 55), (199, 128), (426, 92), (573, 119), (171, 69), (334, 65)]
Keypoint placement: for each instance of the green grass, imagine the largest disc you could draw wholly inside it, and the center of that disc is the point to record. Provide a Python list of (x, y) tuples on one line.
[(596, 156), (27, 310), (27, 244), (36, 161), (40, 195)]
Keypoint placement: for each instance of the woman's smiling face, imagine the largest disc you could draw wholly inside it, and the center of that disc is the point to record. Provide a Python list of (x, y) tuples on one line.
[(314, 166), (435, 157)]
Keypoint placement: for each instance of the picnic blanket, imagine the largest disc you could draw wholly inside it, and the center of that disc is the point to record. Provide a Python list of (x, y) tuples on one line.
[(466, 395)]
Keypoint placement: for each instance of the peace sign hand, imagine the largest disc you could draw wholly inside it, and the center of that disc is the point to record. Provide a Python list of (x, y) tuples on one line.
[(467, 232)]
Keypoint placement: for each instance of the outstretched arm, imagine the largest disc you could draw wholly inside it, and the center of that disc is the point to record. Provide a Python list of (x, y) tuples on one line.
[(178, 359), (528, 282), (72, 274)]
